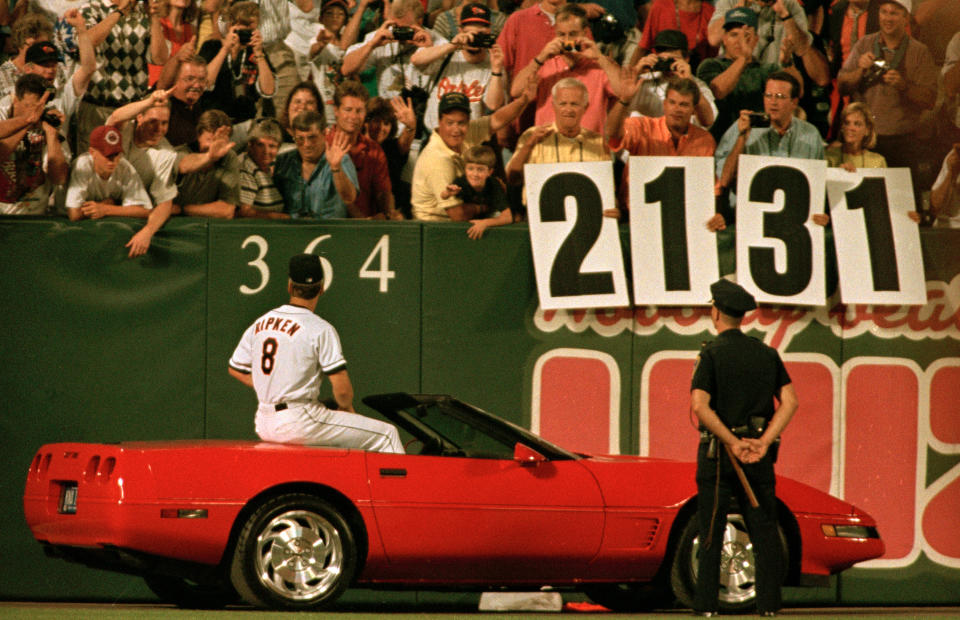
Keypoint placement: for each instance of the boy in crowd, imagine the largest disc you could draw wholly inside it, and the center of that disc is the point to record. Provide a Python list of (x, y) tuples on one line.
[(480, 191), (103, 183), (259, 197)]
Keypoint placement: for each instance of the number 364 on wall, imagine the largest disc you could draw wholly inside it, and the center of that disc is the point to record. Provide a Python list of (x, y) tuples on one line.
[(780, 251)]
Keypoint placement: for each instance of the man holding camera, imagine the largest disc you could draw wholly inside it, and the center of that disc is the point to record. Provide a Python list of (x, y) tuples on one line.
[(572, 54), (669, 60), (238, 69), (776, 132), (895, 75), (31, 158), (470, 63), (389, 49)]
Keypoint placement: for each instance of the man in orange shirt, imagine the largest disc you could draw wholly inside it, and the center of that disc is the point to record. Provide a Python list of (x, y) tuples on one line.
[(670, 134)]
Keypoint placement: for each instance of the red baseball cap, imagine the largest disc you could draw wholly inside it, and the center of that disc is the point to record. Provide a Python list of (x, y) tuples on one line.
[(106, 139)]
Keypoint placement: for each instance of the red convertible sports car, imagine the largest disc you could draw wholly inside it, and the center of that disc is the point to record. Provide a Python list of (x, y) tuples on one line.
[(477, 503)]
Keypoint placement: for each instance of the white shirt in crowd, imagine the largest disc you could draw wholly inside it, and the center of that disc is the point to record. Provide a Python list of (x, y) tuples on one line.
[(124, 186)]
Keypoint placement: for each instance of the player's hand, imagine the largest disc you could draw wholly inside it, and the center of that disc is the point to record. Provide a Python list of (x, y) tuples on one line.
[(717, 222), (139, 243), (477, 229)]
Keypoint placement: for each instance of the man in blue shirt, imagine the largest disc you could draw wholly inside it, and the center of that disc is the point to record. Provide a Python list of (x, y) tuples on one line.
[(787, 135), (316, 180)]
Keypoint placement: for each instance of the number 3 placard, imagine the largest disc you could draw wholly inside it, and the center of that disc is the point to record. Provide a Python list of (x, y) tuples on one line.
[(576, 250)]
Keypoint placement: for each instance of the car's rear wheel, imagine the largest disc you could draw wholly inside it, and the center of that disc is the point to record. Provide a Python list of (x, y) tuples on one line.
[(738, 584), (295, 552), (631, 597), (190, 594)]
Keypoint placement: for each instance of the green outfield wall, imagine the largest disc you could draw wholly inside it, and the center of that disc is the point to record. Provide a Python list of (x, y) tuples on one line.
[(100, 347)]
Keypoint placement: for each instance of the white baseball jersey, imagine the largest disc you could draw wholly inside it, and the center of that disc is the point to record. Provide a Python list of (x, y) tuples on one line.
[(285, 350)]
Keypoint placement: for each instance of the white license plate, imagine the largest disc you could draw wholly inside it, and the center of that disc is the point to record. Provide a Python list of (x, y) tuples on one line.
[(68, 498)]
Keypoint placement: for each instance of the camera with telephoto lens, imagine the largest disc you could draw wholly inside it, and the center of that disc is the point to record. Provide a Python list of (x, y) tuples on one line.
[(245, 35), (759, 119), (402, 33), (874, 73), (483, 39), (664, 65)]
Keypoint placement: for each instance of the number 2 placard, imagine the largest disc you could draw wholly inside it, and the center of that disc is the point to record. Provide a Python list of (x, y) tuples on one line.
[(674, 255), (576, 250)]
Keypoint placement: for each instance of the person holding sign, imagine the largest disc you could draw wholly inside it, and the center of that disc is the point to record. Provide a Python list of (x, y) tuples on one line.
[(672, 134), (787, 136), (564, 140), (732, 394)]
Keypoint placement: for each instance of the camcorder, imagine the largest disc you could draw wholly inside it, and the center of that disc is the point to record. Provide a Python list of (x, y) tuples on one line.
[(664, 65), (874, 73), (759, 119), (402, 33), (483, 39), (245, 35)]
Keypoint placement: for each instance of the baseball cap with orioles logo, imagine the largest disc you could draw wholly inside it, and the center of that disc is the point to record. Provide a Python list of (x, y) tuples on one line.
[(475, 13), (106, 139)]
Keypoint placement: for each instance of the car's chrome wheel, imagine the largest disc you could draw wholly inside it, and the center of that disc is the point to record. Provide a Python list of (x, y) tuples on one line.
[(738, 584), (295, 552), (738, 571)]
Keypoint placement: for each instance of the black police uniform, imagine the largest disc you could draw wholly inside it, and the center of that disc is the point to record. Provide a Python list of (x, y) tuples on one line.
[(742, 376)]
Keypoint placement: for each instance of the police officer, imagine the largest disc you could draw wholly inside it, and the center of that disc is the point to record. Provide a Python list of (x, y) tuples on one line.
[(734, 386)]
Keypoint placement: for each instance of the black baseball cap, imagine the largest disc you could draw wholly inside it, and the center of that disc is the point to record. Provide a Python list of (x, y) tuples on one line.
[(475, 13), (731, 298), (306, 269), (42, 52), (454, 101), (670, 40)]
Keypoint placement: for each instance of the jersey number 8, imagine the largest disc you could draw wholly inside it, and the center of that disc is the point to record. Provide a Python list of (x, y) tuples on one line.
[(269, 351)]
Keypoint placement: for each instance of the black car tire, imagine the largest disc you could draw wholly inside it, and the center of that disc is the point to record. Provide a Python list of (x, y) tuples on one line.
[(189, 594), (296, 552), (631, 597), (737, 597)]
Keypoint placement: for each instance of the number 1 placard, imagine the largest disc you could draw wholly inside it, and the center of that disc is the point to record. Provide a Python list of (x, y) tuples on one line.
[(674, 255), (576, 250), (878, 246)]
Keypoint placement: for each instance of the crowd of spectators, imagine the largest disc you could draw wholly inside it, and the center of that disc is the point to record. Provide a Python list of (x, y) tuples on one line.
[(429, 109)]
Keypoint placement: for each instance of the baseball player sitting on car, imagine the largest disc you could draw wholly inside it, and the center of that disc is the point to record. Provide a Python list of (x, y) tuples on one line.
[(281, 357)]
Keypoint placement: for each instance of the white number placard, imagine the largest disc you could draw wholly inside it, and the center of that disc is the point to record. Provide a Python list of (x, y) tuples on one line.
[(780, 251), (576, 251), (878, 245), (674, 255)]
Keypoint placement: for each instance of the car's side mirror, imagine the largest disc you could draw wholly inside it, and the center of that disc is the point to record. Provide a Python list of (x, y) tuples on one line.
[(527, 456)]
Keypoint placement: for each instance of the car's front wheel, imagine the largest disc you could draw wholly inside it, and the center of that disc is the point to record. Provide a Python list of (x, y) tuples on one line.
[(295, 552), (738, 584)]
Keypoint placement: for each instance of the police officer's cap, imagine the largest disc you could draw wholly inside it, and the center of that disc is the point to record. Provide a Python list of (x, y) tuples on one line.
[(306, 269), (731, 299)]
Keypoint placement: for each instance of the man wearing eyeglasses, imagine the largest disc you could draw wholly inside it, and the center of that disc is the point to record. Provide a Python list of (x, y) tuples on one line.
[(786, 136)]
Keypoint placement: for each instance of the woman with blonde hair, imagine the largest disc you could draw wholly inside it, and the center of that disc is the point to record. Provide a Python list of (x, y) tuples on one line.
[(857, 135)]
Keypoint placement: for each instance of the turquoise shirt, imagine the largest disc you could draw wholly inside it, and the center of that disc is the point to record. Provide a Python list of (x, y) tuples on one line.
[(316, 197)]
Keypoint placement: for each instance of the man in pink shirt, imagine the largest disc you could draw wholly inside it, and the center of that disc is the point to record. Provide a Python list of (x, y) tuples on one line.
[(571, 53), (669, 135)]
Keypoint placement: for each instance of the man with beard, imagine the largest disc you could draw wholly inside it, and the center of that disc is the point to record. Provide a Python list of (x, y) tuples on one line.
[(374, 191), (669, 135)]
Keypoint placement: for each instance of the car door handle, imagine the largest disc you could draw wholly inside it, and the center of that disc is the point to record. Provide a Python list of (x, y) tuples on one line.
[(393, 472)]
